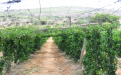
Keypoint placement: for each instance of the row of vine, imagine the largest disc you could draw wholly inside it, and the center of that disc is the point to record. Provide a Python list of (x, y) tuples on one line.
[(17, 45), (101, 52)]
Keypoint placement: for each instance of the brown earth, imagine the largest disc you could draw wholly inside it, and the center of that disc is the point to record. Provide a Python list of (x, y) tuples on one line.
[(118, 66)]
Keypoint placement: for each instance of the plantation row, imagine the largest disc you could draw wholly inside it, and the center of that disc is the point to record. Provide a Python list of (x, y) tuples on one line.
[(71, 42), (102, 46), (17, 45)]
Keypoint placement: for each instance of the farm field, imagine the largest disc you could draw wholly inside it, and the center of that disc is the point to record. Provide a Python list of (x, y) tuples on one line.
[(60, 55), (60, 40), (47, 61), (50, 61)]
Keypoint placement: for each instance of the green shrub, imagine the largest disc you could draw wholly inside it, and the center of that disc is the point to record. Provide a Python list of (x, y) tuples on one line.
[(117, 42), (36, 22), (70, 41), (81, 21), (100, 57), (18, 44), (106, 23), (102, 18), (48, 26)]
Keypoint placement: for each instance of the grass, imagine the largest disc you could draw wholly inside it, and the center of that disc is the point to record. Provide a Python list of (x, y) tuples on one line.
[(34, 68), (27, 71), (37, 70), (120, 66)]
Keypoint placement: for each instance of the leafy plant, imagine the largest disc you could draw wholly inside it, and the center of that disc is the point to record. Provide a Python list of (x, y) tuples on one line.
[(100, 52), (70, 41), (120, 66), (117, 42), (102, 18), (48, 26), (81, 21), (36, 22), (17, 45)]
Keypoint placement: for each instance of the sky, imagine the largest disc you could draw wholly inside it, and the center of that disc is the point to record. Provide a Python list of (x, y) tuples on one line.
[(31, 4)]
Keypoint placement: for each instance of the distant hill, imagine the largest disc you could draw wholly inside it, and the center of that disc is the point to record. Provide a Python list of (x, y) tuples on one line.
[(53, 14), (62, 11)]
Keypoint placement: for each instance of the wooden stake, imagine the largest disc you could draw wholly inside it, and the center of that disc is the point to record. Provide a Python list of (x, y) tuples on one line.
[(88, 18), (40, 10), (69, 21), (83, 51)]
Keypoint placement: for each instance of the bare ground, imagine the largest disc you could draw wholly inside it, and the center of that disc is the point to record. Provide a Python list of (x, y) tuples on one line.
[(118, 66)]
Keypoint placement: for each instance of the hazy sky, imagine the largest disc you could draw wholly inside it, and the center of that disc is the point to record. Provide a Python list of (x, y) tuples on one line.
[(28, 4)]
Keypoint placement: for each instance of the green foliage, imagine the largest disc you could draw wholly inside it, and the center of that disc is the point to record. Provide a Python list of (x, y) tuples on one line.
[(106, 23), (100, 53), (59, 25), (120, 66), (70, 41), (18, 44), (117, 42), (2, 62), (100, 57), (48, 26), (102, 18), (36, 22), (81, 21), (68, 16), (101, 46)]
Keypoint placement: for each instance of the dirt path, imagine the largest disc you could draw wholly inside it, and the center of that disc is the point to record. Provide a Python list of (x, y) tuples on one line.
[(118, 72), (47, 61)]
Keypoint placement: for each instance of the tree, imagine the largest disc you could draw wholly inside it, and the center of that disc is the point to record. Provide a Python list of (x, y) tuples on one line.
[(81, 21), (102, 18)]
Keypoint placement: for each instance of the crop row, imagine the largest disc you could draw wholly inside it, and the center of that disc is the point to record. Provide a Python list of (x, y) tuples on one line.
[(101, 48), (17, 45)]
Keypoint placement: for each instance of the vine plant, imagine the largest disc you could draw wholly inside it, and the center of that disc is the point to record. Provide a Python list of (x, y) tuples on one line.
[(17, 45), (100, 57)]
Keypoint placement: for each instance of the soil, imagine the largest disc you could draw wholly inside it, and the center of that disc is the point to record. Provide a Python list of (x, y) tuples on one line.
[(118, 66)]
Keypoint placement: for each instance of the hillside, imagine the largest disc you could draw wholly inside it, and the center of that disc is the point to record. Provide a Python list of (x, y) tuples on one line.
[(52, 15)]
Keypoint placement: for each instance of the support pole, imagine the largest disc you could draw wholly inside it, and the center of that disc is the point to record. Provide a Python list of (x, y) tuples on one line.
[(88, 17), (83, 51), (69, 21), (40, 10), (16, 21)]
